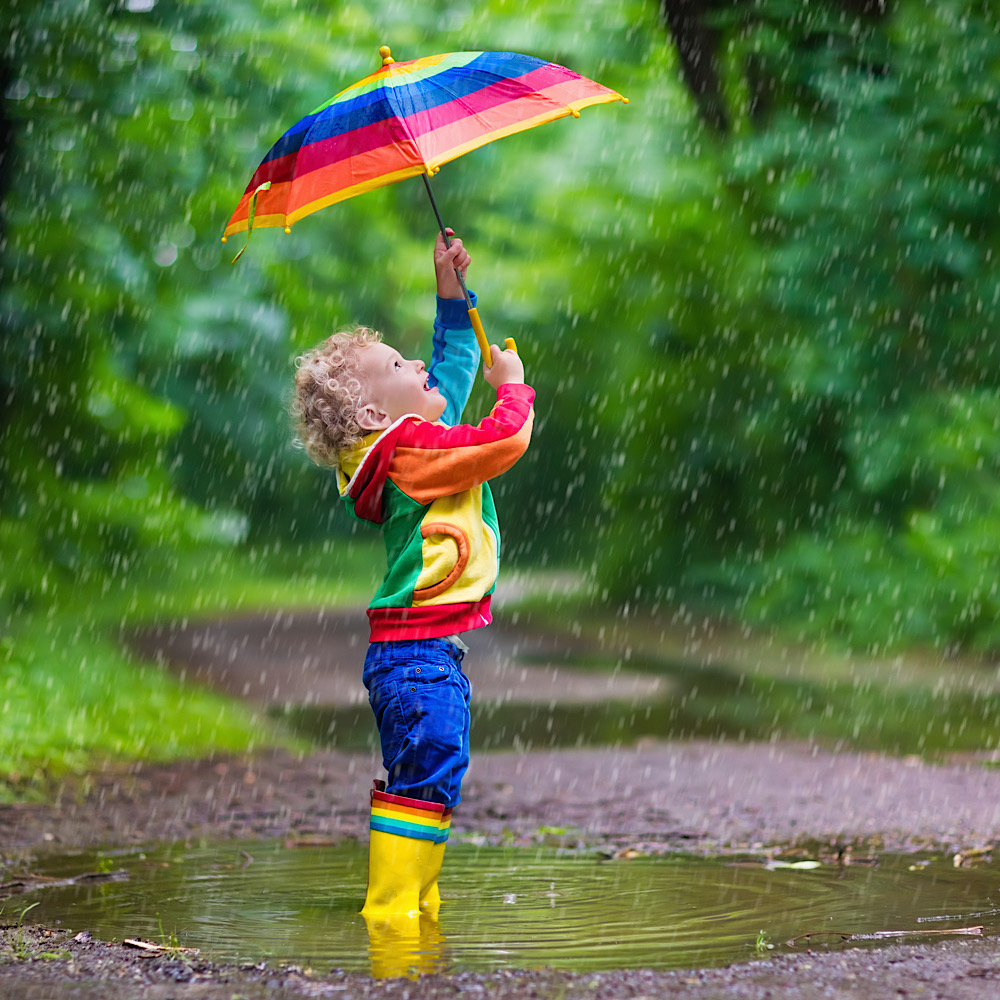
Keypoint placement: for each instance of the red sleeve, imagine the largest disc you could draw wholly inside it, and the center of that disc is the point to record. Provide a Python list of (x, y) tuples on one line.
[(431, 460)]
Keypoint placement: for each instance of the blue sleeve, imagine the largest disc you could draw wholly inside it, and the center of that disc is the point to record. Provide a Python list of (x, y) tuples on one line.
[(456, 356)]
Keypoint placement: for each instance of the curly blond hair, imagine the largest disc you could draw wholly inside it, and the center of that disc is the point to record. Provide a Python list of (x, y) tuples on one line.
[(329, 393)]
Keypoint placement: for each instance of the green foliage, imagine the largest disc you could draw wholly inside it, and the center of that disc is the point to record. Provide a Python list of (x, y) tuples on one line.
[(872, 195), (829, 459)]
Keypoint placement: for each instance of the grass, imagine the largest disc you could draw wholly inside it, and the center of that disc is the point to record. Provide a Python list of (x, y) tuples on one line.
[(73, 696), (18, 940)]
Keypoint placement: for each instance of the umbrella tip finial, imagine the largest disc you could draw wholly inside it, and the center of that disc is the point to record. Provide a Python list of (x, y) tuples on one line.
[(386, 53)]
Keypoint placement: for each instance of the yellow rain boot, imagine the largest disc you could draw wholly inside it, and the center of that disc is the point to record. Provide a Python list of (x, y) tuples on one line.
[(404, 834), (430, 897)]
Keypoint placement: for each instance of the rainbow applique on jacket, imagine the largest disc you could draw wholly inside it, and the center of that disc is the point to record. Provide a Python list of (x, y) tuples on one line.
[(425, 485)]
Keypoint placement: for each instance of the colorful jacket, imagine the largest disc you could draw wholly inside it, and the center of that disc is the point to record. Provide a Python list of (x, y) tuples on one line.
[(425, 485)]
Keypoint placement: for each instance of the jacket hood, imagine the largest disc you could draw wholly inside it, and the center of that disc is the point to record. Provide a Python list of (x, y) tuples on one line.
[(362, 471)]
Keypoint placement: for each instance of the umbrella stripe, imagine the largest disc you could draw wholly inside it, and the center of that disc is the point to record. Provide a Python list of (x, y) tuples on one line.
[(485, 64), (371, 89), (406, 74), (448, 143), (366, 172), (347, 178), (500, 103), (387, 164), (502, 94), (270, 209), (349, 192), (447, 88), (379, 102), (373, 85)]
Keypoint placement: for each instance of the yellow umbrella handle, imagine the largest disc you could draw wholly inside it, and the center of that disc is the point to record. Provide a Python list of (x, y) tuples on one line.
[(484, 345), (477, 327)]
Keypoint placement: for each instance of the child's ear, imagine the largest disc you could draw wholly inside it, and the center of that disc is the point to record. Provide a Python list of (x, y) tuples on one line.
[(371, 418)]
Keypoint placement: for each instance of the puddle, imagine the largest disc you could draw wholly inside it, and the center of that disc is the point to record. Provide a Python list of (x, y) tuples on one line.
[(262, 901)]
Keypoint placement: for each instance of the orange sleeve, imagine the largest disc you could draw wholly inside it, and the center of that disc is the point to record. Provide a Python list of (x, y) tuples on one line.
[(431, 460)]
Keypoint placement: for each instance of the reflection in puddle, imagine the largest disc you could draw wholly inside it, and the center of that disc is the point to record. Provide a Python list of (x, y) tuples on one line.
[(248, 902)]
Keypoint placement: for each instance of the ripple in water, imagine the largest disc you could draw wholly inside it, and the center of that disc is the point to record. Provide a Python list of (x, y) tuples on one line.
[(251, 902)]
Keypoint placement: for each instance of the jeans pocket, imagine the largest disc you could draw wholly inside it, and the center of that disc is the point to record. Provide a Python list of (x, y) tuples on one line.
[(435, 709), (420, 690)]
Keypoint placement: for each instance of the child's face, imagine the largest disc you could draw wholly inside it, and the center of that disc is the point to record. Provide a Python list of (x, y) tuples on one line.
[(395, 387)]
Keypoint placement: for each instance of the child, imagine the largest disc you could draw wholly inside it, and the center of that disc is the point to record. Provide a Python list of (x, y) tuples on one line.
[(390, 429)]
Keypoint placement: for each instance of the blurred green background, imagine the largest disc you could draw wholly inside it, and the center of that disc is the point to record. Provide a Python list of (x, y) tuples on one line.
[(758, 304)]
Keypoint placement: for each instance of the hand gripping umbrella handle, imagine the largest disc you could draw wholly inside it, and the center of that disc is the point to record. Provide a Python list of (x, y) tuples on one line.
[(477, 323), (484, 346)]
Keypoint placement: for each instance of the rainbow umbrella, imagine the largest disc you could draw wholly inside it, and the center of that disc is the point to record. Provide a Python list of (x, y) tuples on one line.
[(405, 119)]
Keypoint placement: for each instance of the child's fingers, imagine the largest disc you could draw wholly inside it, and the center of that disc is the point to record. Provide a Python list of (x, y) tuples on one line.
[(456, 257), (509, 350), (450, 252), (495, 353), (451, 240), (460, 258)]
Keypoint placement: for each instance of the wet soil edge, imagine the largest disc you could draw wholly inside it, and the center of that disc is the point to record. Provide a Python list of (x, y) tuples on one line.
[(42, 963), (702, 796)]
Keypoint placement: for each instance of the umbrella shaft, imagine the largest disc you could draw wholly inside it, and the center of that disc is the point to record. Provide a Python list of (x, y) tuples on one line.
[(447, 242)]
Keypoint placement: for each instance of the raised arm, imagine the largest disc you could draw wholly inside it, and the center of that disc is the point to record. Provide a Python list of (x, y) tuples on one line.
[(455, 356)]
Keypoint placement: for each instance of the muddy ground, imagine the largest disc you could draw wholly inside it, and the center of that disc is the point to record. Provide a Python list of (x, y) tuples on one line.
[(701, 796)]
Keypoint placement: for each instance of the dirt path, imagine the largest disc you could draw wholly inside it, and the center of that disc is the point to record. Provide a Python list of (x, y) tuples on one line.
[(698, 796), (315, 657), (91, 970)]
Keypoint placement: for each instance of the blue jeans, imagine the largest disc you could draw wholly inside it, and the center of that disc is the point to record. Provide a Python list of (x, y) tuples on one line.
[(420, 698)]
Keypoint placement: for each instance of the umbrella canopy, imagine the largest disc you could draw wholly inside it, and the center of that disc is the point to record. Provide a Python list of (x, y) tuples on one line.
[(406, 119)]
